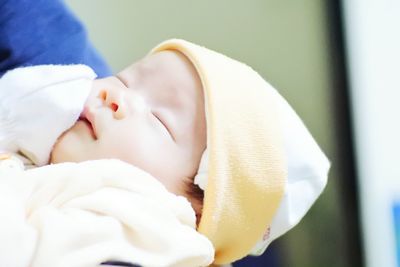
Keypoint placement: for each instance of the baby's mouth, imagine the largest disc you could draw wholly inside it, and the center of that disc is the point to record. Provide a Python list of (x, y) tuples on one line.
[(89, 125), (85, 117)]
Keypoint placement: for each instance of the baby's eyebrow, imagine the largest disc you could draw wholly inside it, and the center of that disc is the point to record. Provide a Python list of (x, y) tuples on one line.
[(121, 79)]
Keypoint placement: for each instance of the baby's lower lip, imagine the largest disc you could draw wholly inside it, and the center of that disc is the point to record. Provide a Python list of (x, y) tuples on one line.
[(88, 117), (90, 127)]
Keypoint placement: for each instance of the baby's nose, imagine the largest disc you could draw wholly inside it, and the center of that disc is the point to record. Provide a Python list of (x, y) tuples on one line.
[(114, 100)]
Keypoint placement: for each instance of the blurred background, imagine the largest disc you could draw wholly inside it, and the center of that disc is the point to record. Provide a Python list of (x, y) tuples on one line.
[(337, 64)]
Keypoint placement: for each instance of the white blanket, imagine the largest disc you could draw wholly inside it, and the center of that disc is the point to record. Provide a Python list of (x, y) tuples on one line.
[(83, 214)]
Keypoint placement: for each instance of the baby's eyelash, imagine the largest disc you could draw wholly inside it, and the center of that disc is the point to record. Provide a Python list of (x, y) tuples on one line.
[(163, 125)]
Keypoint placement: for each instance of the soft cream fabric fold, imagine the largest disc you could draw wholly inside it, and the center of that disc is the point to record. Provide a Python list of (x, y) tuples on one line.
[(83, 214)]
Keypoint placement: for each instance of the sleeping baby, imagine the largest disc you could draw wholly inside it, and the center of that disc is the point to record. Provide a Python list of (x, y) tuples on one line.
[(237, 164)]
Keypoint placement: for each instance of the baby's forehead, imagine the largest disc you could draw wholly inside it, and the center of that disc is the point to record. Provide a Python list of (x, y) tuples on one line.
[(166, 76), (169, 81)]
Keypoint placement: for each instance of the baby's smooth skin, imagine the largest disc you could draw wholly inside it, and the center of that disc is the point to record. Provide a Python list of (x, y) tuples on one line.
[(151, 115)]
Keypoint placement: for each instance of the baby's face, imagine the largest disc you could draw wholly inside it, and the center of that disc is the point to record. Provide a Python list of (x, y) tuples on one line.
[(151, 115)]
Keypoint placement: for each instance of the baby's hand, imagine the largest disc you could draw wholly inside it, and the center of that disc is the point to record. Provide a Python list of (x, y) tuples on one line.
[(38, 104)]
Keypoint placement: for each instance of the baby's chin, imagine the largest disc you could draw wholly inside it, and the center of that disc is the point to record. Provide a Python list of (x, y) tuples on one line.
[(70, 146)]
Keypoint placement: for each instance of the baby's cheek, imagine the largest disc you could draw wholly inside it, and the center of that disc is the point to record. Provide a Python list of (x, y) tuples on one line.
[(58, 149)]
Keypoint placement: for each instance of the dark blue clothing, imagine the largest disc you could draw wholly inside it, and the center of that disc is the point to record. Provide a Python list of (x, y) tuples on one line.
[(35, 32)]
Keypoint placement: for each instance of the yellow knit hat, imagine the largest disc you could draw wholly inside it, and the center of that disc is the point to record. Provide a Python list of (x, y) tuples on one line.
[(246, 167)]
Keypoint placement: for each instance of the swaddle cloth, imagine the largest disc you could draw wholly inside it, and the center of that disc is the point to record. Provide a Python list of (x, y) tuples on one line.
[(262, 170), (37, 104), (84, 214)]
